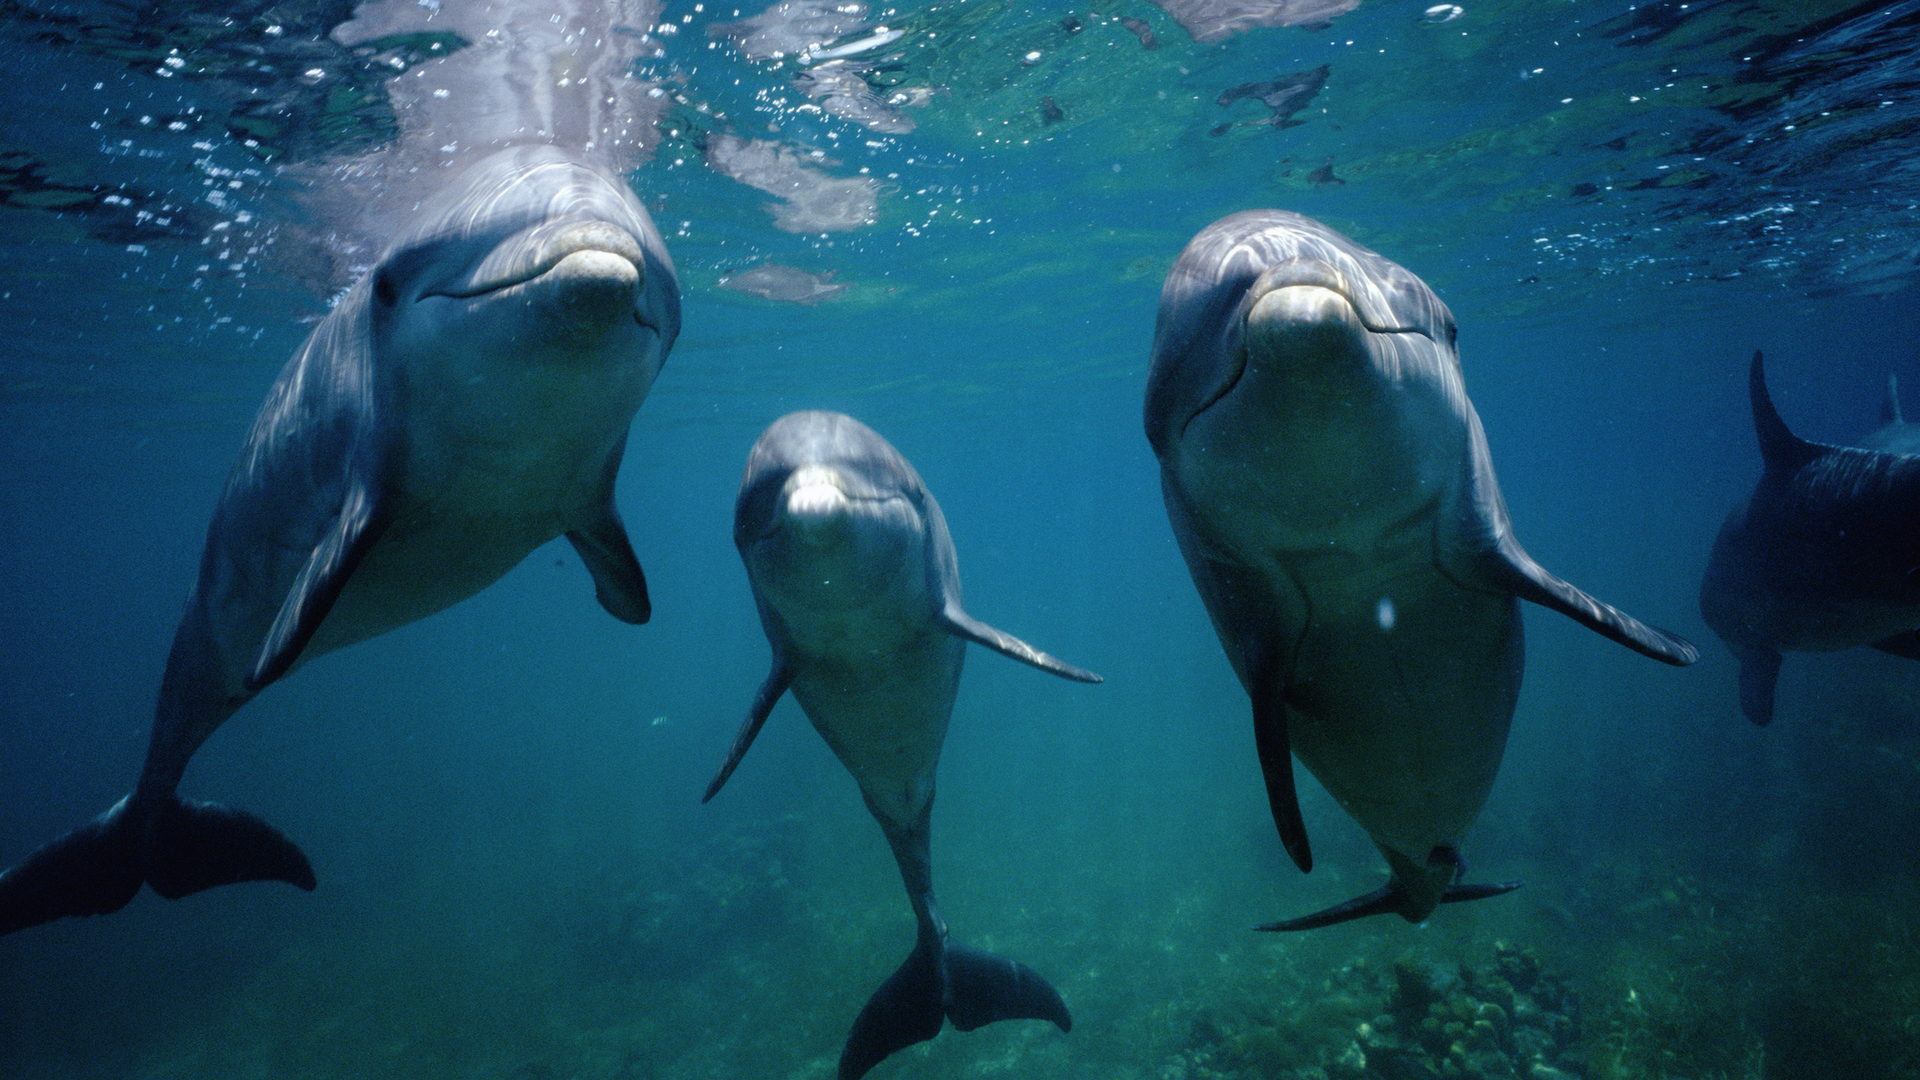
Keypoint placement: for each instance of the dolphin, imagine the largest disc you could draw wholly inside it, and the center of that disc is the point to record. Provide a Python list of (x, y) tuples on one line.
[(467, 401), (1330, 487), (1822, 555), (859, 594)]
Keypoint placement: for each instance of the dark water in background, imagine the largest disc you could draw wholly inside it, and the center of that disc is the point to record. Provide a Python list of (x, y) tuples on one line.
[(502, 801)]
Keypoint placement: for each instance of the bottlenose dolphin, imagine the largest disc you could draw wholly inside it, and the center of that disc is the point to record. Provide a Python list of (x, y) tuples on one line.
[(1330, 486), (467, 401), (859, 594), (1821, 556)]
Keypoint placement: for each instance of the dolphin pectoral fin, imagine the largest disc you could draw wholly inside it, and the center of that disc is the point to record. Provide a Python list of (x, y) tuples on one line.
[(601, 540), (198, 845), (331, 562), (905, 1010), (1513, 570), (982, 988), (962, 625), (763, 702), (1276, 764), (1390, 899), (1457, 894), (1905, 643), (1759, 672), (93, 870), (618, 582)]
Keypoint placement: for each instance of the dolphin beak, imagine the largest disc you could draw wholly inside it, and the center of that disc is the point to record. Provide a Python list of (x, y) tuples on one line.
[(813, 493), (578, 251)]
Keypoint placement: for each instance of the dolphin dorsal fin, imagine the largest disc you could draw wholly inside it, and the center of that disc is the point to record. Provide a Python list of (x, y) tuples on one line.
[(1890, 408), (1780, 448)]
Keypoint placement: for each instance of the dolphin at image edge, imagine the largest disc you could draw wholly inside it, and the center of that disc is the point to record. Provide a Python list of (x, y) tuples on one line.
[(467, 401), (859, 593), (1331, 490), (1821, 555)]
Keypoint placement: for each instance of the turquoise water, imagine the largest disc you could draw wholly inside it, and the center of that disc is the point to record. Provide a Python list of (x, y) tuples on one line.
[(517, 878)]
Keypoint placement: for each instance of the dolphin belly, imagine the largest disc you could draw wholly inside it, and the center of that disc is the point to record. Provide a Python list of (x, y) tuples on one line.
[(1399, 701)]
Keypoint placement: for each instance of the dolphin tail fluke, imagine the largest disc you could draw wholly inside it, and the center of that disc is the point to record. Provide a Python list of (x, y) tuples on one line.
[(180, 848), (1390, 899), (93, 870), (198, 845), (974, 989), (983, 988), (905, 1010)]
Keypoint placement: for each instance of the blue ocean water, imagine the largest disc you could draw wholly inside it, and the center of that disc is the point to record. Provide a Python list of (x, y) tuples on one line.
[(502, 802)]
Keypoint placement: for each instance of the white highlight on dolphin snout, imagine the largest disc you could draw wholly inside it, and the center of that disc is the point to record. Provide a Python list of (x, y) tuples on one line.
[(1302, 305), (813, 493)]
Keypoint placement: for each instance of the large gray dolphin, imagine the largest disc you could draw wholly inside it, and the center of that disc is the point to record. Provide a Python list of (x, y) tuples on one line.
[(1331, 489), (859, 594), (1822, 555), (466, 402)]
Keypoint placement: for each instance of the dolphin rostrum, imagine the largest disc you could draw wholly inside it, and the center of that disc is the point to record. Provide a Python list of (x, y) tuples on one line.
[(1822, 555), (859, 594), (1330, 486), (467, 401)]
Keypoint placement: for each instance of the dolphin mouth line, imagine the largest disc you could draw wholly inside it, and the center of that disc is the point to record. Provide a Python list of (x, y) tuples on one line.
[(537, 270), (1294, 274), (1329, 281)]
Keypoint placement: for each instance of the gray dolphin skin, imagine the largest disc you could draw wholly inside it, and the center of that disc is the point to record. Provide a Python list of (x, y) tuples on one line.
[(1330, 487), (859, 594), (1820, 557), (466, 402)]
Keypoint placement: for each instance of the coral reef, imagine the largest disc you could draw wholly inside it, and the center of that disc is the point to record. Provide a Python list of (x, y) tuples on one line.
[(1422, 1019)]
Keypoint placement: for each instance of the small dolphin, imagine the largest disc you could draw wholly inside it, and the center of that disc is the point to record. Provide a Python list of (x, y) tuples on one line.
[(1822, 555), (1330, 486), (859, 594), (466, 402)]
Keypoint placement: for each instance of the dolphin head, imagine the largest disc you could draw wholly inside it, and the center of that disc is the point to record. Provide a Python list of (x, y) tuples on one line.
[(828, 508), (531, 257), (1284, 299)]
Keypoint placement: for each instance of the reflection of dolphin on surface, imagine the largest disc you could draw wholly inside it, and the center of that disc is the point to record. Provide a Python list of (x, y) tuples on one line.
[(1331, 489), (465, 403), (859, 593), (1284, 97), (1216, 20), (787, 284), (1821, 556)]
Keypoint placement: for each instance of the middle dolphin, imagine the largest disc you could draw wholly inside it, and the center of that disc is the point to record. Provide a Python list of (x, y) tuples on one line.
[(1330, 486), (859, 594)]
